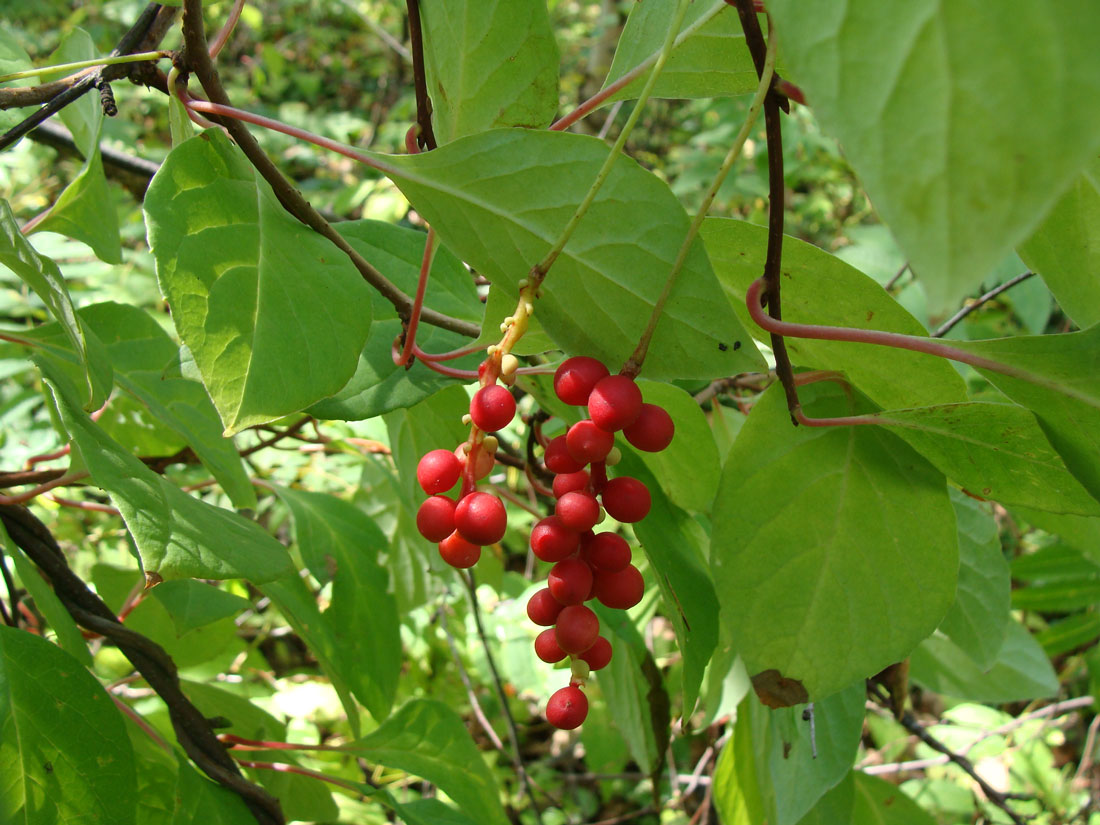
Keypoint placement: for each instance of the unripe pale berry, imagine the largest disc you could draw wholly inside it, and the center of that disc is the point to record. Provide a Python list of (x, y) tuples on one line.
[(621, 589), (492, 408), (567, 708), (615, 402), (599, 655), (547, 649), (484, 465), (576, 629), (575, 377), (625, 499), (570, 581), (587, 443), (578, 510), (438, 471), (569, 482), (557, 458), (481, 518), (543, 608), (436, 518), (652, 430), (552, 541), (458, 552)]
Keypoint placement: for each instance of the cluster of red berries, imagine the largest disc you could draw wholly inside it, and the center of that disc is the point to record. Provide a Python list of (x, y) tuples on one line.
[(590, 565), (463, 525)]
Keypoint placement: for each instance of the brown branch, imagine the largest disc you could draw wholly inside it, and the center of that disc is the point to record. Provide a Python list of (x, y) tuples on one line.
[(989, 296), (425, 137), (192, 730), (754, 38), (197, 59)]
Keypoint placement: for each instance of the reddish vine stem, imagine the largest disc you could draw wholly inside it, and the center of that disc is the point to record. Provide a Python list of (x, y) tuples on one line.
[(754, 38), (418, 300), (425, 137)]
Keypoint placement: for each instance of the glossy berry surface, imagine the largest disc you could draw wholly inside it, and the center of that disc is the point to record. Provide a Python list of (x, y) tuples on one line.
[(436, 518), (652, 430), (552, 541), (438, 471), (567, 708), (492, 408), (570, 581), (543, 608), (557, 458), (570, 482), (576, 629), (587, 443), (599, 655), (575, 377), (625, 499), (607, 551), (458, 552), (481, 518), (578, 511), (547, 649), (615, 402), (622, 589)]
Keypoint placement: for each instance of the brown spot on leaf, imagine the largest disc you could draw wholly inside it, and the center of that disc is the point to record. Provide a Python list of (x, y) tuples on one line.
[(786, 749), (870, 314), (777, 691), (722, 347)]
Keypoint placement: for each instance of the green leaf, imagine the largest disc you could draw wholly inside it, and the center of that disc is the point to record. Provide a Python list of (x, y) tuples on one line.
[(1053, 562), (64, 752), (878, 802), (709, 60), (833, 549), (489, 64), (688, 469), (1058, 596), (1057, 377), (995, 451), (599, 294), (274, 315), (86, 211), (1081, 532), (428, 739), (820, 288), (13, 58), (737, 793), (1065, 249), (674, 544), (1073, 632), (177, 536), (340, 543), (141, 351), (378, 385), (299, 607), (202, 802), (1022, 670), (193, 604), (83, 117), (979, 618), (962, 120), (42, 275)]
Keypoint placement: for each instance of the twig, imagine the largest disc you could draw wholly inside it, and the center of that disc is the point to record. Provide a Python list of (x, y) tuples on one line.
[(479, 714), (1087, 753), (910, 723), (944, 328), (896, 276), (199, 61), (425, 137), (192, 729), (513, 733), (13, 596)]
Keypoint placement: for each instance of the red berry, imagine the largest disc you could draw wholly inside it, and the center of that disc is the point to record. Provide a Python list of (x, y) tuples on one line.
[(568, 482), (438, 471), (458, 552), (575, 377), (578, 511), (607, 551), (599, 654), (543, 608), (567, 708), (587, 443), (577, 628), (481, 518), (621, 589), (492, 408), (436, 518), (625, 499), (557, 458), (570, 581), (547, 649), (552, 541), (615, 403), (652, 430)]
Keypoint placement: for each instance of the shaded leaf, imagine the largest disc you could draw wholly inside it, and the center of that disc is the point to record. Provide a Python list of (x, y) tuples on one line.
[(833, 550), (64, 752), (85, 210), (274, 315), (962, 122), (193, 604), (202, 802)]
